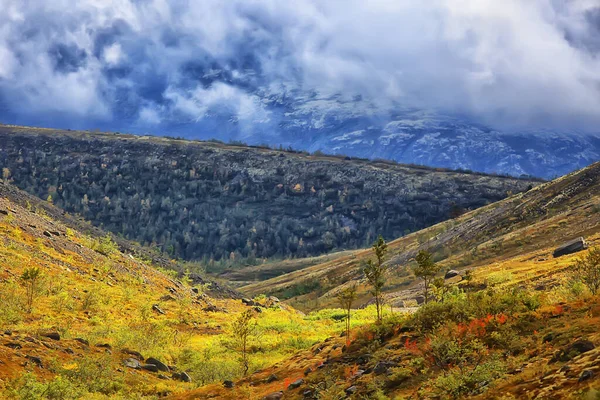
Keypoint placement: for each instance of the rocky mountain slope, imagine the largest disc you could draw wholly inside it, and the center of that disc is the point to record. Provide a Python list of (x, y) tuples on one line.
[(490, 237), (233, 205)]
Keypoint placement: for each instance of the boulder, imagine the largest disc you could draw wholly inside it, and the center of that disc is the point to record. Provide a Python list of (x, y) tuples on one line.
[(182, 376), (570, 247), (82, 341), (573, 350), (36, 360), (149, 367), (156, 307), (134, 353), (420, 299), (132, 363), (296, 384), (272, 378), (228, 384), (248, 302), (451, 274), (308, 371), (51, 335), (585, 375), (382, 367), (351, 390), (274, 396), (159, 364)]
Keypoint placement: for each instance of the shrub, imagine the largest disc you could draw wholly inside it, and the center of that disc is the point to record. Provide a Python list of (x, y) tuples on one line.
[(458, 383), (587, 270), (13, 304)]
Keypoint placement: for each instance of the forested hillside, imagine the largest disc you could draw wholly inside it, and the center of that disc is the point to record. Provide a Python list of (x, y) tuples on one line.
[(227, 204)]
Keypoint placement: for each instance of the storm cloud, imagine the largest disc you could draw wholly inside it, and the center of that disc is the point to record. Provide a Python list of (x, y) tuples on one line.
[(146, 64)]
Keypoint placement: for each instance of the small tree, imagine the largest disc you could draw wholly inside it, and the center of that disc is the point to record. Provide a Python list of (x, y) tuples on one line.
[(587, 270), (426, 270), (244, 328), (440, 289), (30, 279), (375, 273), (346, 297)]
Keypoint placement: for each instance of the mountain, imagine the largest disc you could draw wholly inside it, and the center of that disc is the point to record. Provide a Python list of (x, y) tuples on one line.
[(516, 236), (234, 205)]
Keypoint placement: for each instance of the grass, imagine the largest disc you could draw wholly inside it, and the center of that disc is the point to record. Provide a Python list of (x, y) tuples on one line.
[(92, 291)]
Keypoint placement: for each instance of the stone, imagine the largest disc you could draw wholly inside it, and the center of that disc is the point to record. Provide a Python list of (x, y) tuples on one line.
[(8, 332), (585, 375), (228, 384), (156, 307), (272, 378), (82, 341), (420, 299), (167, 297), (351, 390), (382, 367), (248, 302), (104, 345), (149, 367), (182, 376), (13, 345), (308, 394), (159, 364), (258, 309), (274, 396), (134, 353), (570, 247), (132, 363), (36, 360), (51, 335), (573, 350), (451, 274), (195, 290), (296, 384), (308, 371)]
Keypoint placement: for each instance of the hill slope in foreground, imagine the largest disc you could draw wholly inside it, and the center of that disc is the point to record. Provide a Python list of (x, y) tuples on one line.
[(99, 312), (228, 204), (521, 326)]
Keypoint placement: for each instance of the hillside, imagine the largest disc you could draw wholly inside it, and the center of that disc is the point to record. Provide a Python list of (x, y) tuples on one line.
[(233, 205), (519, 325), (99, 314), (493, 237)]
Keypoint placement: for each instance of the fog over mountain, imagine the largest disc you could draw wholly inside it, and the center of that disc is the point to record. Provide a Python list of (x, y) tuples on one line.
[(508, 86)]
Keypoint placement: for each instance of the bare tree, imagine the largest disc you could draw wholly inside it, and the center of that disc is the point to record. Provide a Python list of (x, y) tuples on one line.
[(30, 279), (375, 272), (346, 297), (244, 327)]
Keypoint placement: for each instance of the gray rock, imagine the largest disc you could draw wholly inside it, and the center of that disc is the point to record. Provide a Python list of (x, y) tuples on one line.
[(274, 396), (451, 274), (383, 366), (156, 307), (134, 353), (586, 374), (149, 367), (51, 335), (351, 390), (82, 341), (36, 360), (570, 247), (182, 376), (132, 363), (272, 378), (159, 364), (228, 384), (296, 384)]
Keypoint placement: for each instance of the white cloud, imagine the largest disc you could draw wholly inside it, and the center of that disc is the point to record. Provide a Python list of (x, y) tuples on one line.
[(511, 62)]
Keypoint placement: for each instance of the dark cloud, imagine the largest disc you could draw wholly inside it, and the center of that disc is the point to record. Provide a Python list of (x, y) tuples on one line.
[(251, 64)]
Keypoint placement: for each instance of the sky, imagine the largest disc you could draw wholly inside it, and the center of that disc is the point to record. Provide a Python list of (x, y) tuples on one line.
[(145, 65)]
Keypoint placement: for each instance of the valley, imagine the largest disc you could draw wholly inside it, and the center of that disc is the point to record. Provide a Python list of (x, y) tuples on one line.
[(89, 313)]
